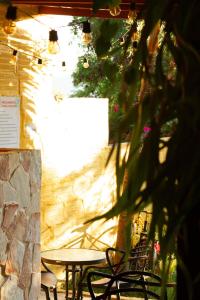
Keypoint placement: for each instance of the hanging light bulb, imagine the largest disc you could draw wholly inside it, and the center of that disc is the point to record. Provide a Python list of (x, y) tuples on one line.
[(9, 25), (39, 63), (121, 41), (134, 36), (115, 10), (13, 59), (53, 47), (85, 63), (86, 36), (132, 14), (64, 66)]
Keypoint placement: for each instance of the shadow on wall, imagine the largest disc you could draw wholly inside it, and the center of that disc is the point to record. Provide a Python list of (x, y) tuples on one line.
[(70, 201)]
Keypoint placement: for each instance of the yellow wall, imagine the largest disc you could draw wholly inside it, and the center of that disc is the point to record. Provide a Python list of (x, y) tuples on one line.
[(73, 189)]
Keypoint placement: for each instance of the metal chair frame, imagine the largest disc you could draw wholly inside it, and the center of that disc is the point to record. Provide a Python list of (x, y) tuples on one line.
[(113, 267), (130, 281)]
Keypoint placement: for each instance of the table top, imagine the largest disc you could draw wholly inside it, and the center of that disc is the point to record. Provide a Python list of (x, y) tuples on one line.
[(73, 256)]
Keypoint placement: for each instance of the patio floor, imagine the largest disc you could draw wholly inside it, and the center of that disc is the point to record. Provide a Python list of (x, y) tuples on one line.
[(61, 296)]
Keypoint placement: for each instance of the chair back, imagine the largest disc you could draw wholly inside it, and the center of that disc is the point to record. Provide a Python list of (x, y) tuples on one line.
[(116, 260), (132, 283)]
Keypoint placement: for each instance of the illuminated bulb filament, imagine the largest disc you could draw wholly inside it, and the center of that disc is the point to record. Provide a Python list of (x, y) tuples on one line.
[(85, 63), (13, 60), (115, 11)]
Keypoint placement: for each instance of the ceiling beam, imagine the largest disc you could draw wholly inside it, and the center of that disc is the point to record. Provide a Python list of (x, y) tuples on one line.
[(77, 7), (70, 3), (103, 13)]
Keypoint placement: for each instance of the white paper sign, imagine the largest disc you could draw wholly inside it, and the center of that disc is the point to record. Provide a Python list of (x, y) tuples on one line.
[(9, 122)]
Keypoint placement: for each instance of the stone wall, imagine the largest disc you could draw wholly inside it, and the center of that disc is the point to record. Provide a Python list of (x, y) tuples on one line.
[(20, 183)]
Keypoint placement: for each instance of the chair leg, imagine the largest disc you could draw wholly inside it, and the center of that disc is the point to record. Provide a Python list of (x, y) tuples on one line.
[(79, 292), (55, 294), (45, 288)]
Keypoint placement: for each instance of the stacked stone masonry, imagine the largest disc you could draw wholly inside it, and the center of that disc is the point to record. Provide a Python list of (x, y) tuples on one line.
[(20, 184)]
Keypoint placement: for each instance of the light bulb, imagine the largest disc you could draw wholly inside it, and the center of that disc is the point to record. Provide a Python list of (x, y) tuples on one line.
[(53, 47), (64, 68), (132, 14), (134, 36), (9, 25), (121, 41), (13, 59), (86, 36), (85, 64), (115, 11), (39, 63)]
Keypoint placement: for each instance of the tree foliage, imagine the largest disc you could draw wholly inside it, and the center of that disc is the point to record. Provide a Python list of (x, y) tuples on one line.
[(103, 76), (154, 93)]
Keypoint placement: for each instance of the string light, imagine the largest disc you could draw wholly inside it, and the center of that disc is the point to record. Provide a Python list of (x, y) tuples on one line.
[(134, 36), (53, 47), (85, 63), (132, 14), (9, 25), (64, 66), (115, 10), (39, 63), (121, 41), (15, 54), (13, 59), (86, 36)]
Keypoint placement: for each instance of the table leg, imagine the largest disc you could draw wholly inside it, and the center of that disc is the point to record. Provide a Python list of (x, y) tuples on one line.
[(66, 282), (73, 282), (79, 286)]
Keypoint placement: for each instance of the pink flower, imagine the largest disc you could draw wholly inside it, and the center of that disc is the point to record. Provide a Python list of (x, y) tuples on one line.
[(116, 107), (147, 129), (157, 247)]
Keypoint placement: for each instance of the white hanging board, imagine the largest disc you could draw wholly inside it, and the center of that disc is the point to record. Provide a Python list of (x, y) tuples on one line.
[(9, 122)]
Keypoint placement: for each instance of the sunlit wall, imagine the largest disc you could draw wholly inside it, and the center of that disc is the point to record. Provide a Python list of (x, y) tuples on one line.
[(72, 135)]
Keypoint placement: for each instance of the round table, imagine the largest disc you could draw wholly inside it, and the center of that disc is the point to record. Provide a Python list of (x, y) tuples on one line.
[(74, 257)]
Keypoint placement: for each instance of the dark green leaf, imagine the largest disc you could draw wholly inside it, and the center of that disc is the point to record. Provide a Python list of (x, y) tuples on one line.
[(130, 76)]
